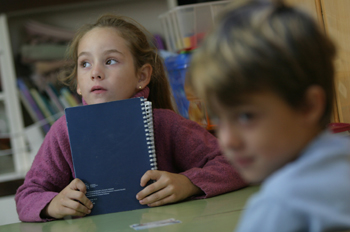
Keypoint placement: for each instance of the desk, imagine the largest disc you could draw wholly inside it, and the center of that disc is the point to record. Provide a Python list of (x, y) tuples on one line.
[(220, 213)]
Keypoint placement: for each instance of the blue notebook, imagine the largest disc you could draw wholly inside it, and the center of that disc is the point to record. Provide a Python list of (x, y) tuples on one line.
[(112, 146)]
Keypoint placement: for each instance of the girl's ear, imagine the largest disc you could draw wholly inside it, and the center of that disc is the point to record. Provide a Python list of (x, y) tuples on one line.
[(144, 76), (315, 105), (78, 89)]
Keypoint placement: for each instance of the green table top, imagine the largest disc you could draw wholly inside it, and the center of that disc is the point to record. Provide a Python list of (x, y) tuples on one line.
[(220, 213)]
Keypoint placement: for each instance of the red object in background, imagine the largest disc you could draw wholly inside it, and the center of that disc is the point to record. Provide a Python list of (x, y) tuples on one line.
[(339, 127)]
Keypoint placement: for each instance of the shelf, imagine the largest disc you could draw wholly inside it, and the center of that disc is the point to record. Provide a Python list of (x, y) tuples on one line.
[(10, 187), (11, 176), (7, 166), (13, 158), (5, 152)]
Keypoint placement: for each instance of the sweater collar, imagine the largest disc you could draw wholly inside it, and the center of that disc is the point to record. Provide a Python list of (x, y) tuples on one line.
[(142, 93)]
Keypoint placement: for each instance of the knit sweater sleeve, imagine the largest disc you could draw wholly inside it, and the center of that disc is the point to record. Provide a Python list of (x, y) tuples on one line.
[(184, 147), (51, 171)]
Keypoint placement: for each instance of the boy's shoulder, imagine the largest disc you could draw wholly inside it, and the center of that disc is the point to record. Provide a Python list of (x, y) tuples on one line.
[(321, 173)]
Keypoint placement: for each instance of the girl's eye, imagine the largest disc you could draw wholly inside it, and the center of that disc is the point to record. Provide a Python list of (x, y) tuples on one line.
[(111, 61), (85, 64)]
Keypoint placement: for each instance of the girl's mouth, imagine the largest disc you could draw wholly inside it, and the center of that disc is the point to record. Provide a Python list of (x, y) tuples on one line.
[(98, 89)]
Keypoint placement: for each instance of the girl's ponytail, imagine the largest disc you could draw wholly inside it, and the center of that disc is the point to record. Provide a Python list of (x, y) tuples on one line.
[(160, 94)]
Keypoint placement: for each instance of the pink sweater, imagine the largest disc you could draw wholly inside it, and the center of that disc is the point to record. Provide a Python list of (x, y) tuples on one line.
[(182, 146)]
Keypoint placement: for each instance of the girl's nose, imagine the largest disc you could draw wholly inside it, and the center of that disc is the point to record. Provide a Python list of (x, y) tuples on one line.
[(97, 73)]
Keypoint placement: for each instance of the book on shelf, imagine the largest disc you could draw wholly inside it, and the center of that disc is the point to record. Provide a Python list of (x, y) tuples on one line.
[(112, 147), (68, 96), (24, 90), (42, 105), (64, 101), (50, 90), (55, 112), (44, 52), (27, 106), (38, 29)]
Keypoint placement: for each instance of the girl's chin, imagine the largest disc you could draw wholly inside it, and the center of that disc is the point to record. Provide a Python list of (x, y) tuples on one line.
[(96, 102), (99, 100)]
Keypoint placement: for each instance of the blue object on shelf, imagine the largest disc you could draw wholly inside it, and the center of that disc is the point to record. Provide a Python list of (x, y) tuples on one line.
[(177, 66)]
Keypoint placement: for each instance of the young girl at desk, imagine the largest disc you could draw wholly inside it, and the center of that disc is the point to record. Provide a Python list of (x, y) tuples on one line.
[(113, 61), (266, 73)]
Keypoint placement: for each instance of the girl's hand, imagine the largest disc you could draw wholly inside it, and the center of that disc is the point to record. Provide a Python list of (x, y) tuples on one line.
[(168, 188), (71, 201)]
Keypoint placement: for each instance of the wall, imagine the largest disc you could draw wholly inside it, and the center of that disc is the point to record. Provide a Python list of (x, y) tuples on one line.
[(145, 12)]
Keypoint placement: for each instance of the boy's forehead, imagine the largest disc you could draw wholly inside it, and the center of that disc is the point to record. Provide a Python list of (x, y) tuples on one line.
[(219, 106), (254, 99), (240, 99)]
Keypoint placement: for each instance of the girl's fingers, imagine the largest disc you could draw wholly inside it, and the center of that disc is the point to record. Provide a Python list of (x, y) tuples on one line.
[(78, 184), (80, 197), (166, 200), (150, 175), (76, 208), (156, 196), (150, 190), (72, 212)]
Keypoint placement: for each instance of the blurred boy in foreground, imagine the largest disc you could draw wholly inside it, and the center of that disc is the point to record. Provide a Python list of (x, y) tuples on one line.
[(266, 74)]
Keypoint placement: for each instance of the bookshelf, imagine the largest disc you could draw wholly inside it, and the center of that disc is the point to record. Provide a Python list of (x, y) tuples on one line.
[(70, 14), (13, 160)]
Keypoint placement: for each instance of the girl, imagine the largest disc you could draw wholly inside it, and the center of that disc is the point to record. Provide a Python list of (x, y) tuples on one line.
[(114, 61)]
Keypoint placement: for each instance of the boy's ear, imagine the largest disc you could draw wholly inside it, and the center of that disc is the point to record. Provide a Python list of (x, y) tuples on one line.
[(144, 76), (315, 104)]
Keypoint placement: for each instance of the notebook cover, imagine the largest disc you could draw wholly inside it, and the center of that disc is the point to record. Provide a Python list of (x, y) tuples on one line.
[(110, 152)]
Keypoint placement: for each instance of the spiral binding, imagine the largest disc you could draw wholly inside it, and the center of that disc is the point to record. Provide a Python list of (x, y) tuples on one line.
[(146, 107)]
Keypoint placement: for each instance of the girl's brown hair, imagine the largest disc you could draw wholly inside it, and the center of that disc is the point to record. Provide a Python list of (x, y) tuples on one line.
[(142, 49), (259, 45)]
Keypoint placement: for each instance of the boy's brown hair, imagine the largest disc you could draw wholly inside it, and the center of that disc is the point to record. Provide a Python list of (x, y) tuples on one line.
[(142, 50), (260, 45)]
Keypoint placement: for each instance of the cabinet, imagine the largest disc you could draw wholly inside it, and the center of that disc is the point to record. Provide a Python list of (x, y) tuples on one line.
[(336, 20), (15, 162), (313, 7), (332, 16)]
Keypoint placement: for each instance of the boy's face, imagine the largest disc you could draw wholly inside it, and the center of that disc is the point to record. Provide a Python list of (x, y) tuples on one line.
[(261, 134)]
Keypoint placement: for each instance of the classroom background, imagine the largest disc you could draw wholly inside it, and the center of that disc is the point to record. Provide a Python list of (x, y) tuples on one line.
[(33, 41)]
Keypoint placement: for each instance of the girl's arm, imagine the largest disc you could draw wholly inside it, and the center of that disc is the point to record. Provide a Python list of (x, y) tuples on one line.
[(167, 188), (196, 154), (71, 201), (190, 155), (51, 171)]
